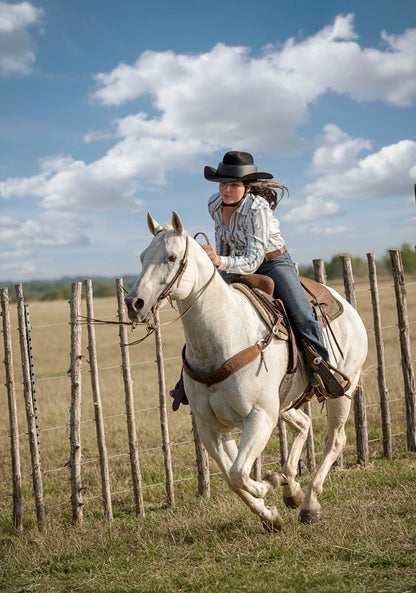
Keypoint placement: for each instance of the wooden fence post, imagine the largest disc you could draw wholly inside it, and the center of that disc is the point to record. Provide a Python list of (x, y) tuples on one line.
[(30, 414), (75, 414), (407, 368), (360, 413), (128, 389), (319, 270), (381, 369), (14, 428), (320, 276), (164, 426), (96, 396), (202, 462)]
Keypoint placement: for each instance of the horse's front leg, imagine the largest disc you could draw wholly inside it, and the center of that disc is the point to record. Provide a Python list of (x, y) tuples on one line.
[(255, 435), (335, 440), (223, 449), (299, 422)]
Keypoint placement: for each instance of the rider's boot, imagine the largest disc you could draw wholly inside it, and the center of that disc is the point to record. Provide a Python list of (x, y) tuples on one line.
[(178, 394)]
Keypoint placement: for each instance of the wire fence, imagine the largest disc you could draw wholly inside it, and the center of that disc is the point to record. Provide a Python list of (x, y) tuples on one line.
[(12, 478)]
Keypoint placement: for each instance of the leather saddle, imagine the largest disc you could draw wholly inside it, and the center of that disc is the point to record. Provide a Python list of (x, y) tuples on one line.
[(259, 290), (325, 305)]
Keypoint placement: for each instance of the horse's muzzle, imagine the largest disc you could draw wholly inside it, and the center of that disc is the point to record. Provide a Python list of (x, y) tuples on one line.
[(134, 307)]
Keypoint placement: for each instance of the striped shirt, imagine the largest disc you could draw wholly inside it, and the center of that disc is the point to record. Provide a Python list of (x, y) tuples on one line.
[(253, 232)]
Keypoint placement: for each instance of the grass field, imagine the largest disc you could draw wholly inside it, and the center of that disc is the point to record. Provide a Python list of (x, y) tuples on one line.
[(366, 541)]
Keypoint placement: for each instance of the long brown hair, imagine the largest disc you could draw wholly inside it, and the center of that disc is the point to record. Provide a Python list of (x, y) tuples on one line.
[(273, 191)]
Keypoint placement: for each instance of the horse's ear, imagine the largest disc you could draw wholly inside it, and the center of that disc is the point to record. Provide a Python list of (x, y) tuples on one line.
[(154, 227), (177, 223)]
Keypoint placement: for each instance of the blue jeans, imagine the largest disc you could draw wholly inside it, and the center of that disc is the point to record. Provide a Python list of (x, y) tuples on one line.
[(288, 289)]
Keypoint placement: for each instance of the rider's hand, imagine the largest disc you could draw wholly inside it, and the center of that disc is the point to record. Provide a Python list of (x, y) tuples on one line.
[(210, 251)]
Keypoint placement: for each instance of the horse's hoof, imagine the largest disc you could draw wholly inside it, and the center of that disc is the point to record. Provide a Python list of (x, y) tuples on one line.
[(271, 527), (293, 500), (274, 521), (309, 517)]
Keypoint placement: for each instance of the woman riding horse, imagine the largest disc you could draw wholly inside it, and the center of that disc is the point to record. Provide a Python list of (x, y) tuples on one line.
[(248, 241)]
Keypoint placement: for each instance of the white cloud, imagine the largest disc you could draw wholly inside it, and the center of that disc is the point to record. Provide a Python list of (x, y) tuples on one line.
[(208, 96), (319, 231), (227, 97), (342, 172), (17, 48), (22, 268), (285, 77), (17, 254), (337, 151), (390, 171), (48, 230), (332, 60), (65, 184), (17, 264), (313, 208)]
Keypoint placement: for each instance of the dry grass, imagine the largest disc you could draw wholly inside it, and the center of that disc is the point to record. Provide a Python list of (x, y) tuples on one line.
[(197, 545), (365, 542)]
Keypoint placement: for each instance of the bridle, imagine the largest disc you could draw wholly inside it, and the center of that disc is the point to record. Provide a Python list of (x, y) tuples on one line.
[(177, 277), (167, 291)]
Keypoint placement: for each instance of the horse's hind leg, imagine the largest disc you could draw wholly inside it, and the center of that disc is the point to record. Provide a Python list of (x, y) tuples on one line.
[(335, 440), (299, 422)]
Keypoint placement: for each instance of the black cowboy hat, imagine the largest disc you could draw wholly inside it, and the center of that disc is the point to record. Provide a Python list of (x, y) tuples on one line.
[(235, 166)]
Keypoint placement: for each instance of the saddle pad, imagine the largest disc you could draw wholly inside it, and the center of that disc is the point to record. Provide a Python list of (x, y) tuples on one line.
[(270, 310)]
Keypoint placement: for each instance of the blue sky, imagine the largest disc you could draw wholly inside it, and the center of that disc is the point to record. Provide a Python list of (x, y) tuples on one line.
[(111, 108)]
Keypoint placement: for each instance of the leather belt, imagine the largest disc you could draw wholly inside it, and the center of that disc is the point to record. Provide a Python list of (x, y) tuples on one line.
[(274, 254)]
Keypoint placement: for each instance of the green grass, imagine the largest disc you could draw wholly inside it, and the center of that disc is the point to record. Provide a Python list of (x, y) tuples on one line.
[(366, 541)]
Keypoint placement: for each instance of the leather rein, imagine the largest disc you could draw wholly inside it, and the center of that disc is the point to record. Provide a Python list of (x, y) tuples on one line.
[(233, 364), (230, 366)]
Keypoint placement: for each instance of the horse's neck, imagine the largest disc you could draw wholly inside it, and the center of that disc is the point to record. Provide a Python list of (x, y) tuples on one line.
[(217, 323), (207, 310)]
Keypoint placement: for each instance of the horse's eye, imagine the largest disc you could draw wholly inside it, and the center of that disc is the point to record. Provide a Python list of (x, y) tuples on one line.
[(172, 258)]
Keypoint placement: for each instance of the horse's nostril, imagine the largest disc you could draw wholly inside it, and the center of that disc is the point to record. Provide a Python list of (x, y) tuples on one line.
[(138, 304)]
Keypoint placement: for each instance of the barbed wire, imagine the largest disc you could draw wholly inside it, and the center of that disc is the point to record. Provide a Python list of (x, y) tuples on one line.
[(160, 447)]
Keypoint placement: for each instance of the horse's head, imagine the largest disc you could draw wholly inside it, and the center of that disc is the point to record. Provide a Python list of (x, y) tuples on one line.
[(163, 264)]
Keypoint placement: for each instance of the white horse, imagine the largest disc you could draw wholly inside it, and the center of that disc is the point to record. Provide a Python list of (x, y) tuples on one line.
[(219, 322)]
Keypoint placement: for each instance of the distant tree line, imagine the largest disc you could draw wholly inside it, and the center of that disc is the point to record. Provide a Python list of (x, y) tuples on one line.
[(360, 266), (52, 290), (55, 290)]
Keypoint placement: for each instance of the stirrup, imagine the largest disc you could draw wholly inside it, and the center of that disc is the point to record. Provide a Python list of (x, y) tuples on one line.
[(319, 391), (322, 392), (324, 373)]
